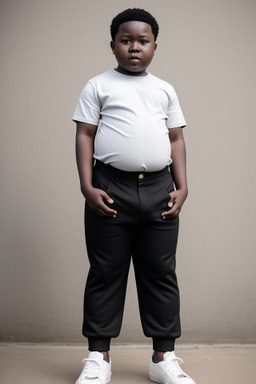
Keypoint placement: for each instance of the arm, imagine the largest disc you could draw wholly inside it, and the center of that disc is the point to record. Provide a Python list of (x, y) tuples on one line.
[(85, 135), (178, 168)]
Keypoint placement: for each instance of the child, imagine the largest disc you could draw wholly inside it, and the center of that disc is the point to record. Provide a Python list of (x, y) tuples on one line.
[(132, 167)]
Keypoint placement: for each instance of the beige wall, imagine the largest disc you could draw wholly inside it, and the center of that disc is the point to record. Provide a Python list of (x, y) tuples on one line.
[(49, 49)]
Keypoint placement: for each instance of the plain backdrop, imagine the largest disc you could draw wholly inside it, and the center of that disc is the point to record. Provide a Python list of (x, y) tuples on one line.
[(49, 50)]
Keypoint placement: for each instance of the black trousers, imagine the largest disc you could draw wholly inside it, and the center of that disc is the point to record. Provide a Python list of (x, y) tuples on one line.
[(140, 233)]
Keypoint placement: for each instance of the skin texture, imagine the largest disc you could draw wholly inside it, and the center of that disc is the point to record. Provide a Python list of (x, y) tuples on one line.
[(134, 48), (84, 154), (178, 168)]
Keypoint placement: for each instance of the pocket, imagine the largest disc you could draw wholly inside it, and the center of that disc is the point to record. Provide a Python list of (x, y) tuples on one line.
[(100, 180), (169, 184)]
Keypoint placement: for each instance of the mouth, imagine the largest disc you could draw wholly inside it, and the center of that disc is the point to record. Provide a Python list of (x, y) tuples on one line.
[(134, 58)]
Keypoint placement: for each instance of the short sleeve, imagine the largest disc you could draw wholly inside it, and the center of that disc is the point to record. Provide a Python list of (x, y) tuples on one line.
[(175, 116), (88, 107)]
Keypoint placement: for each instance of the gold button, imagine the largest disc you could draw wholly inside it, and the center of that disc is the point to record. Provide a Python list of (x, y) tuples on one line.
[(141, 176)]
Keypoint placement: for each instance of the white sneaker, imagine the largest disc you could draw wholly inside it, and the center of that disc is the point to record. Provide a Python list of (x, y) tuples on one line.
[(95, 370), (168, 371)]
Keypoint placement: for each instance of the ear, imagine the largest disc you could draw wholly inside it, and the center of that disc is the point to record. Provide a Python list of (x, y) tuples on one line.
[(155, 46), (112, 45)]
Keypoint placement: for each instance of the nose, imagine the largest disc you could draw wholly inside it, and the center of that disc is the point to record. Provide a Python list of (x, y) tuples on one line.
[(134, 47)]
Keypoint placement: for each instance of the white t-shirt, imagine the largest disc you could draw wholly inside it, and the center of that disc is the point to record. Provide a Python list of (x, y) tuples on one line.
[(133, 115)]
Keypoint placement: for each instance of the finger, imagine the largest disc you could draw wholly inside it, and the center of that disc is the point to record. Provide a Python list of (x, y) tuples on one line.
[(107, 198), (106, 211), (172, 199), (111, 213), (170, 214), (103, 210), (170, 205)]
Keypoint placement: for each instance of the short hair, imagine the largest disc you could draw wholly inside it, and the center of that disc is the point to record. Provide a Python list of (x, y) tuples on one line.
[(133, 14)]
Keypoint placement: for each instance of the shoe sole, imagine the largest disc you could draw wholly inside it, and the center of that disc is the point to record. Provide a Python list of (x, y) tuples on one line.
[(156, 379), (107, 380)]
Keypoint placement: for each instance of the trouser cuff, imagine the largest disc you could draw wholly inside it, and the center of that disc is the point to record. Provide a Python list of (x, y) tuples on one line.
[(163, 345), (99, 344)]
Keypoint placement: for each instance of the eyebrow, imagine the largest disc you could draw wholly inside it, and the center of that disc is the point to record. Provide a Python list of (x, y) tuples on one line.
[(128, 35)]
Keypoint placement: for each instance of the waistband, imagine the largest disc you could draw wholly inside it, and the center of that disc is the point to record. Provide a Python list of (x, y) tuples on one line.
[(118, 173)]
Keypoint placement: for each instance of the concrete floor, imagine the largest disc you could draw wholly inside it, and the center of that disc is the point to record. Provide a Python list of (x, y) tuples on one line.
[(61, 364)]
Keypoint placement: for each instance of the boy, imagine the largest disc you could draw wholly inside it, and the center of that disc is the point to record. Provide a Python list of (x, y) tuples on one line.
[(129, 123)]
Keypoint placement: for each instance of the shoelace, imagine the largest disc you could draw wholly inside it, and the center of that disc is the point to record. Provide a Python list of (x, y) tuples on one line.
[(173, 366), (92, 368)]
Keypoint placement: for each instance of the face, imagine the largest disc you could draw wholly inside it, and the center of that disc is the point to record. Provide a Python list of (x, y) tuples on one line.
[(134, 47)]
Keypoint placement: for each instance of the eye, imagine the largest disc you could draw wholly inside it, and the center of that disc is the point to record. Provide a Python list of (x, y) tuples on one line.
[(143, 42), (125, 41)]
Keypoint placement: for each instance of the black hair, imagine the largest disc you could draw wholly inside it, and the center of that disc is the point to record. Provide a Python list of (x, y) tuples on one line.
[(133, 14)]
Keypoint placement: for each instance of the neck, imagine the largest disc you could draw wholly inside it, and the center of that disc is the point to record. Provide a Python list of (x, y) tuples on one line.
[(124, 72)]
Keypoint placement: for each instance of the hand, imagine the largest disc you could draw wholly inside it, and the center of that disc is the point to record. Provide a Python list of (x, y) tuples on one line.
[(95, 198), (175, 203)]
